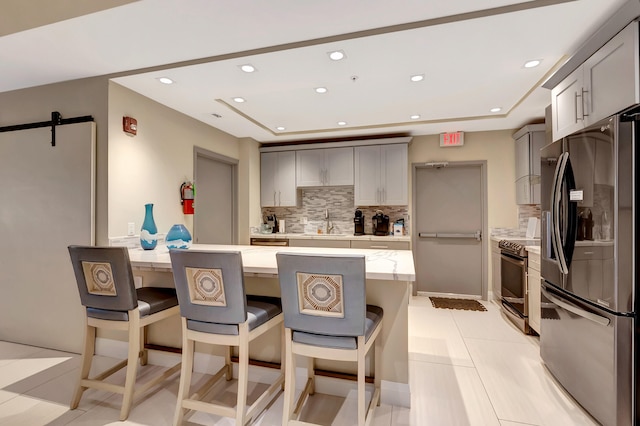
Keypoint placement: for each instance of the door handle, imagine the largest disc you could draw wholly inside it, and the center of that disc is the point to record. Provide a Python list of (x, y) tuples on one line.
[(476, 235)]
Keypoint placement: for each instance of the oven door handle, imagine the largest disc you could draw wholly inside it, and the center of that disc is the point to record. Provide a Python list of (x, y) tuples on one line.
[(604, 321)]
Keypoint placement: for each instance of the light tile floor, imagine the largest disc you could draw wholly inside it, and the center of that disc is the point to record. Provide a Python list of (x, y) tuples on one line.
[(466, 368)]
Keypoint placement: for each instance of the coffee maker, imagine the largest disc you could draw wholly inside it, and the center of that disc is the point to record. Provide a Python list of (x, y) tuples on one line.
[(273, 221), (358, 222), (380, 224)]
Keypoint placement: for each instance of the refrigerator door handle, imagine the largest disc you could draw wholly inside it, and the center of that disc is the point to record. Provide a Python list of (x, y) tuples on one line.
[(556, 199), (576, 310)]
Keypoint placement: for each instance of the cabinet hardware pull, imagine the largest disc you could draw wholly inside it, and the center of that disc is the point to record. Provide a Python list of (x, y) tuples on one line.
[(576, 104), (584, 104), (279, 199), (274, 198)]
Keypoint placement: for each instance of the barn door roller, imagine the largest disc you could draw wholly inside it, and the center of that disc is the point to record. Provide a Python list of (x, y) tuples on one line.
[(56, 120)]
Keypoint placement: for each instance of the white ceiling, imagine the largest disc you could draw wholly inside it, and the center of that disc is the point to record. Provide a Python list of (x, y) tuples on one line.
[(471, 52)]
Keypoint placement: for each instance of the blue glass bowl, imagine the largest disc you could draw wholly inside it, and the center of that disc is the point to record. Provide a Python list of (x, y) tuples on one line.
[(178, 237)]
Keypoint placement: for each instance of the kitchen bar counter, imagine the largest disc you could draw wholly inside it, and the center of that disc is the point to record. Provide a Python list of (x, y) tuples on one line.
[(389, 276)]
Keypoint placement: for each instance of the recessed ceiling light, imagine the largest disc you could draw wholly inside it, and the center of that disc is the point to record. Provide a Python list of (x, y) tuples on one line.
[(247, 68), (415, 116), (238, 100), (280, 128), (336, 55), (497, 109), (417, 77), (342, 123), (532, 64), (165, 80), (320, 89)]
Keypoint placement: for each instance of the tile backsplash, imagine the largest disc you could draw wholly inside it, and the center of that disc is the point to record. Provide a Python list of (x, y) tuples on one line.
[(338, 201), (525, 212)]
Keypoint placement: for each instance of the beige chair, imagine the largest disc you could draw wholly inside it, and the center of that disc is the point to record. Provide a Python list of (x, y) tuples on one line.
[(215, 310), (326, 317), (105, 283)]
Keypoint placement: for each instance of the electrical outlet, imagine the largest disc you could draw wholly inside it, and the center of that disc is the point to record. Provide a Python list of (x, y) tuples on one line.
[(304, 220), (131, 228)]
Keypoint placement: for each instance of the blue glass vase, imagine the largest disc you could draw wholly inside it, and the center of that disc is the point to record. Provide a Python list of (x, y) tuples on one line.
[(149, 231), (178, 237)]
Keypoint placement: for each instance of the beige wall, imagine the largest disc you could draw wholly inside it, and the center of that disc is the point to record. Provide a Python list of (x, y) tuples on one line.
[(498, 149), (150, 167), (249, 212)]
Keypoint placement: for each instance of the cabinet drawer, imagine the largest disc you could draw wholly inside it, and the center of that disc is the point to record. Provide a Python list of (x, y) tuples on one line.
[(319, 243), (381, 245), (534, 262), (587, 252)]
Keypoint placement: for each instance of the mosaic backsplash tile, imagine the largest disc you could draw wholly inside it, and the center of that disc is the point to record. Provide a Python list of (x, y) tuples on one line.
[(338, 203)]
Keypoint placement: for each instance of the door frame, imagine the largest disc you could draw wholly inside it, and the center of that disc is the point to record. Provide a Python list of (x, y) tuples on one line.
[(199, 152), (484, 211)]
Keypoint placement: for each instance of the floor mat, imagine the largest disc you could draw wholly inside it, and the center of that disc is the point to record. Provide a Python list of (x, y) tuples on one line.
[(463, 304)]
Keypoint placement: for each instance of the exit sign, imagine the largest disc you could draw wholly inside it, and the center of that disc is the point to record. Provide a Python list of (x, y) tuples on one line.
[(452, 139)]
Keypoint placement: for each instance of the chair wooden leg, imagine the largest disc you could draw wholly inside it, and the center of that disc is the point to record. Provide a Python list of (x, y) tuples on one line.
[(311, 374), (144, 353), (362, 410), (377, 359), (283, 351), (289, 380), (243, 373), (227, 361), (188, 348), (132, 364), (87, 358)]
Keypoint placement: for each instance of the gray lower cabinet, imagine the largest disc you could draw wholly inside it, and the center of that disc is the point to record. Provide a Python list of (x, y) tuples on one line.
[(533, 291), (319, 243), (381, 245), (495, 271)]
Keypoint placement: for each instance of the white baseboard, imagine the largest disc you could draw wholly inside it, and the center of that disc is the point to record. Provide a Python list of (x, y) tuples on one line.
[(392, 393)]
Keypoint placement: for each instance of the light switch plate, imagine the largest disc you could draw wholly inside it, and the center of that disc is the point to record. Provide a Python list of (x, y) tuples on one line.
[(131, 228)]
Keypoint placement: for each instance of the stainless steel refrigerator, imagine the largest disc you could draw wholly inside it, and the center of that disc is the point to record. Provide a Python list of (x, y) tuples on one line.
[(589, 280)]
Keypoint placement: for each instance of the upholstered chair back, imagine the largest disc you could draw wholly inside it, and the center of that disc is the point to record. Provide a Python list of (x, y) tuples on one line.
[(210, 285), (104, 277), (323, 294)]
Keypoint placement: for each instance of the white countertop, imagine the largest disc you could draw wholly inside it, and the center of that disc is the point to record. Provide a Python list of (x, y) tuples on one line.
[(389, 265), (350, 237), (533, 249)]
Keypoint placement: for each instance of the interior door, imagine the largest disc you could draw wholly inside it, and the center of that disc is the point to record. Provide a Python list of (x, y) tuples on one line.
[(450, 213), (214, 220)]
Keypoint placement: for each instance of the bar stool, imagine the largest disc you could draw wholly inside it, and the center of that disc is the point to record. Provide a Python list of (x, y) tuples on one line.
[(106, 287), (216, 310), (326, 316)]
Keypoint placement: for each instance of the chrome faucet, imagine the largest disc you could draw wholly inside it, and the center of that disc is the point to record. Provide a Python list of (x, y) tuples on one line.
[(329, 224)]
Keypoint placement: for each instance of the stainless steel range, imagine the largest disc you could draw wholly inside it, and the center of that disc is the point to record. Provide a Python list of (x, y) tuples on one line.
[(513, 269)]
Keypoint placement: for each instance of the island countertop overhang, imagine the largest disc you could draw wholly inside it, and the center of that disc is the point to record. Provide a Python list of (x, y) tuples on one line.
[(388, 265)]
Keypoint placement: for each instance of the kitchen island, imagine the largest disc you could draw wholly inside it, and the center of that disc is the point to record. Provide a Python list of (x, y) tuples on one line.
[(389, 275)]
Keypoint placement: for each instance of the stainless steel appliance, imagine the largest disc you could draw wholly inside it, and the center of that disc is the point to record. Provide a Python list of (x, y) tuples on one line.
[(380, 224), (589, 329), (358, 223), (513, 283), (269, 242)]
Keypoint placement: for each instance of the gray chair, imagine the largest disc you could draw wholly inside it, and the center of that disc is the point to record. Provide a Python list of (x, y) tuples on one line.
[(107, 291), (326, 316), (215, 310)]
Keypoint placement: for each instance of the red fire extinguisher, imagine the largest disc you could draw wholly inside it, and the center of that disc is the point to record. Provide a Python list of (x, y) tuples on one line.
[(187, 194)]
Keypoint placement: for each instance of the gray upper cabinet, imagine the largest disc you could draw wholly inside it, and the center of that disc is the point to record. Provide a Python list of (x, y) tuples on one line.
[(278, 179), (603, 85), (324, 167), (381, 175), (529, 140)]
